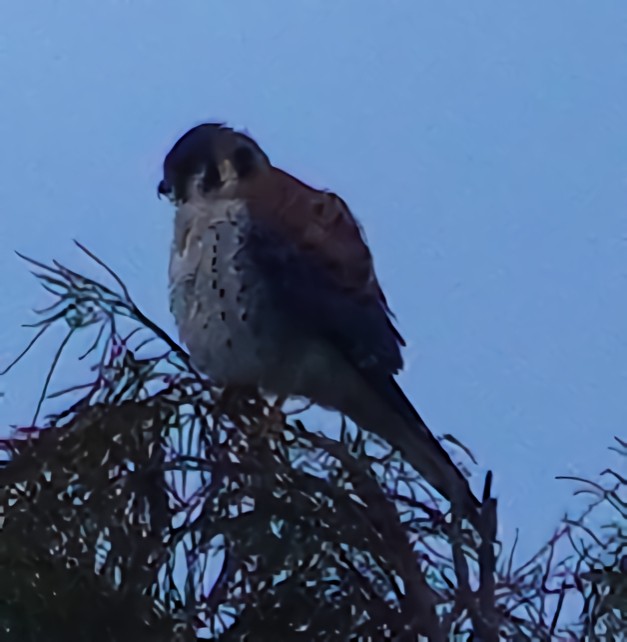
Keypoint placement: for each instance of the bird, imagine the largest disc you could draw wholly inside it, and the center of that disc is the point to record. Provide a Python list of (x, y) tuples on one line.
[(272, 286)]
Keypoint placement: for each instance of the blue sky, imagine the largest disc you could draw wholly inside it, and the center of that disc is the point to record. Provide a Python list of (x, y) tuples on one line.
[(482, 145)]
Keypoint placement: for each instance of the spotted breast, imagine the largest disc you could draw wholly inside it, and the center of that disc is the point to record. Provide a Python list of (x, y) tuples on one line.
[(225, 313)]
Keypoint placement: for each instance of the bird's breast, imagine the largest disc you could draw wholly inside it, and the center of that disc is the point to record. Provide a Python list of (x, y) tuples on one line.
[(224, 309)]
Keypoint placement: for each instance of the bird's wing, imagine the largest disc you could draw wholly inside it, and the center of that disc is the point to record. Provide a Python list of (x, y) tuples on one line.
[(313, 252)]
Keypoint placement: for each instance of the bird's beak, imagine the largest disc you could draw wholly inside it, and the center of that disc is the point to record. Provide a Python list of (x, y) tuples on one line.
[(163, 189)]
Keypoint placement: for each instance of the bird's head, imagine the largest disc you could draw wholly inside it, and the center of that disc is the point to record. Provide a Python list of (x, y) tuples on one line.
[(210, 159)]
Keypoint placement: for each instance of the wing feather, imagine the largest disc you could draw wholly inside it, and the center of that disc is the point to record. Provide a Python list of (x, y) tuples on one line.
[(312, 250)]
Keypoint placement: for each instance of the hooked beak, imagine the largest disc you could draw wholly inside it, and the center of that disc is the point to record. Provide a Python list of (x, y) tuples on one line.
[(163, 189)]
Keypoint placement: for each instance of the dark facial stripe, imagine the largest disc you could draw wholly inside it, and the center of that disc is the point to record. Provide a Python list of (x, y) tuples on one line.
[(243, 161)]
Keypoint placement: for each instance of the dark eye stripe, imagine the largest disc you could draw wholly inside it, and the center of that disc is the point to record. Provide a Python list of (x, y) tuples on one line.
[(211, 178), (243, 161)]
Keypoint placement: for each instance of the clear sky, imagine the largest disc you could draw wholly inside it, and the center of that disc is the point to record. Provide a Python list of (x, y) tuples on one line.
[(483, 145)]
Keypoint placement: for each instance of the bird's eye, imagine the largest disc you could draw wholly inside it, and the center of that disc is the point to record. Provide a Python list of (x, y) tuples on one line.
[(243, 161), (211, 178)]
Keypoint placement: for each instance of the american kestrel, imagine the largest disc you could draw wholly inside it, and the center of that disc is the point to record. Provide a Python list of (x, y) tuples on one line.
[(273, 286)]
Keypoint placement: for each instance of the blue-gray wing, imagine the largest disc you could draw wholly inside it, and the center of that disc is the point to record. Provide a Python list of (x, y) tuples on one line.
[(357, 324)]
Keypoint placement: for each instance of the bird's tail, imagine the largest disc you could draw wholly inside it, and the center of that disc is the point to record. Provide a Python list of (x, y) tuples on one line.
[(389, 414)]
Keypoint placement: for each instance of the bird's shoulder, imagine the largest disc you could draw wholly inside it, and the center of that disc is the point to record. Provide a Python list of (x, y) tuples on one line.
[(319, 224)]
